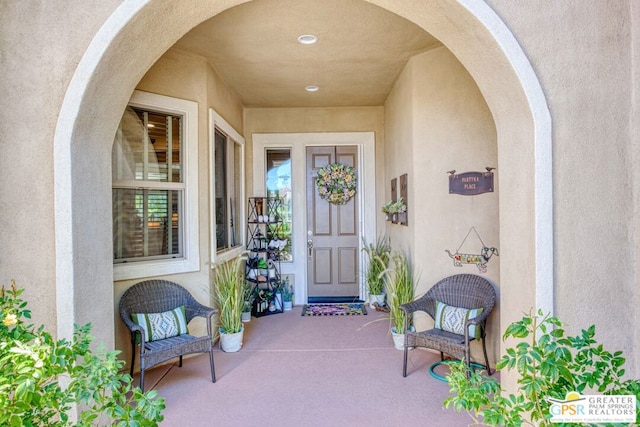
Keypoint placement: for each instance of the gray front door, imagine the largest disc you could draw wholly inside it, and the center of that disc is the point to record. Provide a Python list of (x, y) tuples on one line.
[(332, 231)]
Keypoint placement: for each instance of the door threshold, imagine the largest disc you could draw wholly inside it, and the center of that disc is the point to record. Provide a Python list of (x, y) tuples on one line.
[(334, 300)]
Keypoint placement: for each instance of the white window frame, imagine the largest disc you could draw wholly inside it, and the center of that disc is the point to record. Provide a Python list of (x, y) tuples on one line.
[(190, 260), (216, 121)]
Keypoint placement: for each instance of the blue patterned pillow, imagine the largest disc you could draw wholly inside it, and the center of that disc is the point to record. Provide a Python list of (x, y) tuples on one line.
[(158, 326), (452, 319)]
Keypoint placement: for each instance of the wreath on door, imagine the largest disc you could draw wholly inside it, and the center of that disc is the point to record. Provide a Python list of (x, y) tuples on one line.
[(337, 183)]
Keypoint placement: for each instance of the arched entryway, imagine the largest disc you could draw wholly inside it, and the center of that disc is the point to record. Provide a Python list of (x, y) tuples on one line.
[(112, 66)]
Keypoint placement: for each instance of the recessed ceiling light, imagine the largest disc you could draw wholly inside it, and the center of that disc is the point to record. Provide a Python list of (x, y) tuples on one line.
[(312, 88), (307, 39)]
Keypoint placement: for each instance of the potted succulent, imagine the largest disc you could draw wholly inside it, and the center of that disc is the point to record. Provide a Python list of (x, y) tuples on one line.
[(401, 210), (378, 254), (398, 207), (386, 208), (392, 209), (399, 284), (229, 295)]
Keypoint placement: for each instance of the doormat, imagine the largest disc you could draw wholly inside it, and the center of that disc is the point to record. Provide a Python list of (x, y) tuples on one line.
[(334, 310)]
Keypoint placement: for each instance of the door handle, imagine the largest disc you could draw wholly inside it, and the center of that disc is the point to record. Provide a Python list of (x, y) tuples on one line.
[(310, 247)]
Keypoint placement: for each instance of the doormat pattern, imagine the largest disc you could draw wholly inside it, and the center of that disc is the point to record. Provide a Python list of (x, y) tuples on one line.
[(334, 310)]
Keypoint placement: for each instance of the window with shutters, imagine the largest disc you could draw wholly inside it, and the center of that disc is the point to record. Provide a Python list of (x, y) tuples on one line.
[(152, 160)]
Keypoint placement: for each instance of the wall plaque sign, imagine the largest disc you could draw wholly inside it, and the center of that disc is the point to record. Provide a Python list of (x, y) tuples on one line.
[(479, 259), (471, 183)]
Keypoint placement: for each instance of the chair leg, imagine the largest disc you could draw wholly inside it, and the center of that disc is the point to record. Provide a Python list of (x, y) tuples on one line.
[(486, 358), (213, 369), (142, 380), (180, 364), (404, 366), (133, 354), (441, 356)]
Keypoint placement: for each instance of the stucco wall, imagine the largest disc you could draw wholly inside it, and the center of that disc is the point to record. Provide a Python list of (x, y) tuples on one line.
[(399, 131), (634, 318), (439, 121), (301, 120), (581, 52), (35, 74), (187, 76), (582, 55)]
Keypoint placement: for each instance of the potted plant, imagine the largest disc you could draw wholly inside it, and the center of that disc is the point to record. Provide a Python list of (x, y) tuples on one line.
[(287, 295), (378, 254), (248, 298), (263, 269), (399, 206), (399, 284), (392, 209), (276, 302), (229, 295), (264, 301), (401, 210), (252, 268), (396, 208), (386, 208)]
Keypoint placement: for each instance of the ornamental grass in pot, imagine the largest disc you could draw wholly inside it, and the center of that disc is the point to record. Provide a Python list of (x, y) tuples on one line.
[(378, 254), (229, 296), (399, 285)]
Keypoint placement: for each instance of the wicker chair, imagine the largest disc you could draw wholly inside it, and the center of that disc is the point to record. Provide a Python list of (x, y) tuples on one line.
[(157, 296), (461, 290)]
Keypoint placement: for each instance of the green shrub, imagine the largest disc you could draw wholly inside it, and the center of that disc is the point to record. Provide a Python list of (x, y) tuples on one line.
[(549, 365), (42, 379)]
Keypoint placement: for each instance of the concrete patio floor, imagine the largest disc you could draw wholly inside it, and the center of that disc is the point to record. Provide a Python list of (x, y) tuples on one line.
[(307, 371)]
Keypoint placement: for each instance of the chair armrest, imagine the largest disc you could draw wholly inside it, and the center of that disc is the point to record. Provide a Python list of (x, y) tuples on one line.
[(199, 310), (480, 318), (133, 328), (417, 305)]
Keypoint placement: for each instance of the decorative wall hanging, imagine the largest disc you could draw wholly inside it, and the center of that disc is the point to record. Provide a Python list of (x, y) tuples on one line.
[(480, 260), (337, 183), (396, 209), (471, 183), (394, 200), (403, 217), (393, 210)]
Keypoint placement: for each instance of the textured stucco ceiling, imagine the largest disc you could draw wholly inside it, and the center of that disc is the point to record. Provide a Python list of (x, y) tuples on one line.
[(361, 50)]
